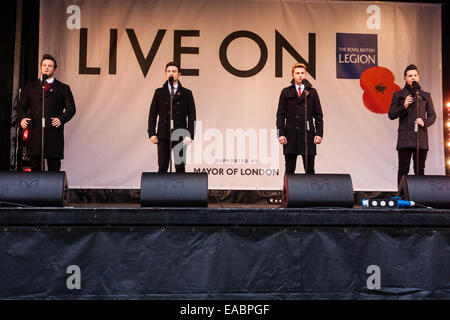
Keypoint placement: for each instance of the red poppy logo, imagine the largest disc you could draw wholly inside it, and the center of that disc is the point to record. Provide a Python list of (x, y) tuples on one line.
[(379, 87)]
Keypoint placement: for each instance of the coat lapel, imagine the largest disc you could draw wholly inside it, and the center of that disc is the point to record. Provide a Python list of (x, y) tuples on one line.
[(404, 92), (422, 95), (177, 95), (54, 88), (179, 92), (302, 97), (294, 92), (38, 87)]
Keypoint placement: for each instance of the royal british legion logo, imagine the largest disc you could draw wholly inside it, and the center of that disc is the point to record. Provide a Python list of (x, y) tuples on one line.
[(354, 54)]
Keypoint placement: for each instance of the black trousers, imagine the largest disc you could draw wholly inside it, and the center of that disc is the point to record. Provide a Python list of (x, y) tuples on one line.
[(291, 161), (404, 161), (164, 156), (53, 164)]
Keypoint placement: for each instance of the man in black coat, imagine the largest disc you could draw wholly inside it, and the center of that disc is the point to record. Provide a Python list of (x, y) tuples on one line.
[(59, 108), (183, 111), (291, 124), (413, 122)]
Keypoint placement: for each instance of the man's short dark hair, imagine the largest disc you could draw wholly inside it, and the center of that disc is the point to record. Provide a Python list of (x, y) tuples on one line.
[(49, 57), (410, 67), (173, 64)]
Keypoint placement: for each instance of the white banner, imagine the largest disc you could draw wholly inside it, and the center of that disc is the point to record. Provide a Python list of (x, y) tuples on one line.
[(236, 57)]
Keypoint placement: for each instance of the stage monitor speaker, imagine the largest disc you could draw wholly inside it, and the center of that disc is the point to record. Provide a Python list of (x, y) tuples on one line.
[(317, 190), (45, 189), (432, 191), (174, 189)]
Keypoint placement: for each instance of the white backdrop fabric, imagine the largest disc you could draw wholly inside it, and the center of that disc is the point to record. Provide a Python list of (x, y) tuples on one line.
[(107, 145)]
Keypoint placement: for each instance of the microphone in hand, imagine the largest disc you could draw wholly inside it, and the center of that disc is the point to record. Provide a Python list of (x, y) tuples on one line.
[(416, 85), (414, 88)]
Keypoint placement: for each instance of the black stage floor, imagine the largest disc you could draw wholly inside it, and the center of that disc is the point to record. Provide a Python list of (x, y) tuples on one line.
[(223, 251), (225, 214)]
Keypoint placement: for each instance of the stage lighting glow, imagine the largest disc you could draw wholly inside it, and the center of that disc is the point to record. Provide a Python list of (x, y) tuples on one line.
[(448, 104), (25, 135)]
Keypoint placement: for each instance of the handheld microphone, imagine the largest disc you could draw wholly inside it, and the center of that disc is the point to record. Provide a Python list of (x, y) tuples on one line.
[(414, 88)]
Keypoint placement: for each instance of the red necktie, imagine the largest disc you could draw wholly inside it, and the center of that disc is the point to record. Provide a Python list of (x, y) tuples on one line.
[(299, 92)]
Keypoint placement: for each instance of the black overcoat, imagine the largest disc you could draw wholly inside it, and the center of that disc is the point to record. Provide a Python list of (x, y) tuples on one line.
[(291, 119), (406, 136), (59, 103), (183, 109)]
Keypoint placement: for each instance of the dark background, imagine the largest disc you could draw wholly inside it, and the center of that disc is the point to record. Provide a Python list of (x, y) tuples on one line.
[(29, 66)]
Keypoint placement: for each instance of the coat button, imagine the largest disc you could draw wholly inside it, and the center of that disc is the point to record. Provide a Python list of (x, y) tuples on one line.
[(297, 127), (297, 117)]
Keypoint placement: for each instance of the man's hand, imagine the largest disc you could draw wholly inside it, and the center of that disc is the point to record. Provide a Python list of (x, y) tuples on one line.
[(420, 122), (408, 101), (317, 140), (282, 140), (24, 122), (56, 122), (187, 141), (154, 139)]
